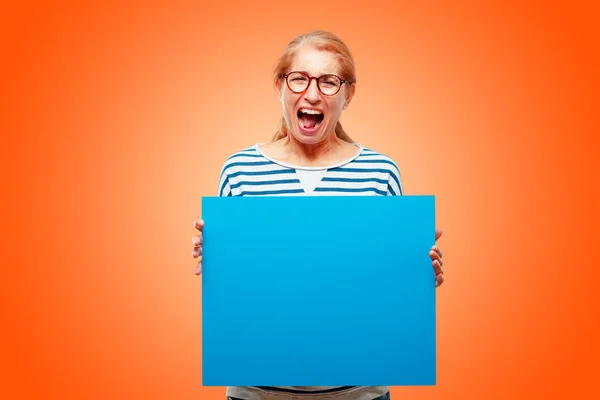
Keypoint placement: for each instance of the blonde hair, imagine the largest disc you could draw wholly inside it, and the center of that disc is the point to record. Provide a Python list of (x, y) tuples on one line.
[(325, 41)]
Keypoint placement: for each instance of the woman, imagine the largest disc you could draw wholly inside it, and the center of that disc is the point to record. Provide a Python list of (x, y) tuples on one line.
[(312, 155)]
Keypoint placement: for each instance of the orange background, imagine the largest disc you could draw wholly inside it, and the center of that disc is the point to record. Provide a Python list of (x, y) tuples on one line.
[(117, 119)]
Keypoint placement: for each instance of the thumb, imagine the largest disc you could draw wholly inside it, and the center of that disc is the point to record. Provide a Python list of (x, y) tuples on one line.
[(438, 233)]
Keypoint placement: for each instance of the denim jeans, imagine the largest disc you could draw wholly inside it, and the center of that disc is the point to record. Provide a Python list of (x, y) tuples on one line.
[(382, 397)]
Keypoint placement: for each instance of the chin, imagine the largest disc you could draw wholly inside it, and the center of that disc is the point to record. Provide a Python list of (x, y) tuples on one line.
[(308, 138)]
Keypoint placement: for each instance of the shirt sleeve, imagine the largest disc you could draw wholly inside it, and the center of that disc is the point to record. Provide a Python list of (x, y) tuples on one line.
[(224, 189), (394, 187)]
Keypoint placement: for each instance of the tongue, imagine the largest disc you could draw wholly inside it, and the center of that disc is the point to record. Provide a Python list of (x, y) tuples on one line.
[(308, 120)]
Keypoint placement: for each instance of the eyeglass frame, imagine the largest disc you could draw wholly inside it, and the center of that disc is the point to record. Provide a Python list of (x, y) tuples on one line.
[(310, 78)]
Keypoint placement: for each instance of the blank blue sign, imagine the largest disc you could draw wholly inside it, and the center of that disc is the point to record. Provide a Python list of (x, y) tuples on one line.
[(318, 291)]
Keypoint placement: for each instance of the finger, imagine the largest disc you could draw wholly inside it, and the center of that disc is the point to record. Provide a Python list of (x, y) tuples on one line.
[(435, 256), (438, 233), (439, 279), (437, 267), (199, 267), (197, 240), (197, 252), (199, 224), (437, 250)]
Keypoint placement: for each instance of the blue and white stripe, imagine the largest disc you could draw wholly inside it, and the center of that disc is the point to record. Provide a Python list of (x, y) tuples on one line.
[(249, 173)]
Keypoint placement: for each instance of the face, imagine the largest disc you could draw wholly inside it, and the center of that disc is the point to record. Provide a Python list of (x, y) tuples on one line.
[(311, 115)]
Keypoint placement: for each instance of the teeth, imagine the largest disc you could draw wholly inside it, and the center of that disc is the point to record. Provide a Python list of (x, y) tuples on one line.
[(309, 111)]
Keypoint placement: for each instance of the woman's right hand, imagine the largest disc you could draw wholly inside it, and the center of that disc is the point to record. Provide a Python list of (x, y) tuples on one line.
[(197, 242)]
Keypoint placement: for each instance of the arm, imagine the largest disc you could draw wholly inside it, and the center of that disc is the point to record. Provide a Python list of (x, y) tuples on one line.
[(223, 191)]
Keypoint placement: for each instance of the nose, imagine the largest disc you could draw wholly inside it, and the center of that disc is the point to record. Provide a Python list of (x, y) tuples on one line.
[(312, 93)]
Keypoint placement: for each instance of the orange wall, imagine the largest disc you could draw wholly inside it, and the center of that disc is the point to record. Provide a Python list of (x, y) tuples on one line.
[(117, 120)]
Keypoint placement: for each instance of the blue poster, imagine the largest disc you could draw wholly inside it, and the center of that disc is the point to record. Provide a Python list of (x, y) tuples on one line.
[(318, 291)]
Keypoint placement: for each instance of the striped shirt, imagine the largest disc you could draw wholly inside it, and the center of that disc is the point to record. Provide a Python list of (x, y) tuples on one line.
[(251, 173)]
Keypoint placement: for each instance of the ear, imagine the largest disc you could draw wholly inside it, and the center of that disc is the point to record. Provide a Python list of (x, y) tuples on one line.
[(278, 89), (350, 93)]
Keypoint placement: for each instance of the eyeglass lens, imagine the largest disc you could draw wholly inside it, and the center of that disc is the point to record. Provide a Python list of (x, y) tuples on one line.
[(328, 84)]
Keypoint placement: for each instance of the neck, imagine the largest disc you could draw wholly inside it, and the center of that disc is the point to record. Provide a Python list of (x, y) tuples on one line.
[(314, 154)]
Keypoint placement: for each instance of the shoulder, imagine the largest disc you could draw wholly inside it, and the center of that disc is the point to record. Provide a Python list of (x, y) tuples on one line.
[(236, 163), (374, 157), (381, 163), (246, 158), (247, 154)]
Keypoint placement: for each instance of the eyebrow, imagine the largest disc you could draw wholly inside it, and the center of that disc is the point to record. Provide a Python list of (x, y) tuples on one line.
[(327, 73)]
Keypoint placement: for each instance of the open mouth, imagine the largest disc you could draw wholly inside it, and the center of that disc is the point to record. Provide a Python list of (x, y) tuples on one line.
[(310, 119)]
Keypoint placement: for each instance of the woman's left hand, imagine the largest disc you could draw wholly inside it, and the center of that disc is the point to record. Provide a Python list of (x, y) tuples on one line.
[(436, 260)]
